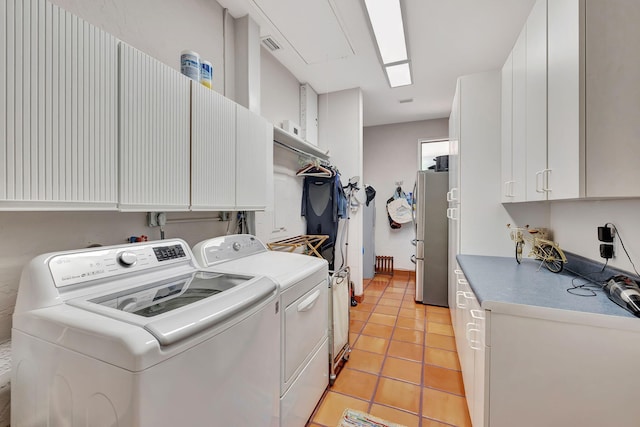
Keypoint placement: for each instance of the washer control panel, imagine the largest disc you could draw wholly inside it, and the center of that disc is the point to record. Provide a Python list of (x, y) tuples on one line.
[(98, 263)]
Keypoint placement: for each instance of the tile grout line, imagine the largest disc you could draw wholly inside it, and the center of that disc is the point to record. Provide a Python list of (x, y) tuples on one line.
[(384, 357)]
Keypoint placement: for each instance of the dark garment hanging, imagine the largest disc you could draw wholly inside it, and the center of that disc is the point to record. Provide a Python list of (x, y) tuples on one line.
[(320, 203)]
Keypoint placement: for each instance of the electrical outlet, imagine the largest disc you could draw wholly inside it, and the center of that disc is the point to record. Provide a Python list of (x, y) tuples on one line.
[(606, 250)]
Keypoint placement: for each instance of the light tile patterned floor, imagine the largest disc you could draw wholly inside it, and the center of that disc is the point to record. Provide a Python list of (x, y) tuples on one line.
[(403, 366)]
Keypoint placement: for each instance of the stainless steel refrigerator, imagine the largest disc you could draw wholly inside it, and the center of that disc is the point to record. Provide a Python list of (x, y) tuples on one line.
[(432, 235)]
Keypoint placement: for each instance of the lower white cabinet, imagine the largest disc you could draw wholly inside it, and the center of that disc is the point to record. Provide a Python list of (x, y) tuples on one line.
[(469, 322), (531, 366)]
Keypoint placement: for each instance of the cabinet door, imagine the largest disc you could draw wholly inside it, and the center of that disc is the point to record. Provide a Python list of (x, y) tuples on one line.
[(612, 96), (213, 150), (536, 102), (519, 117), (58, 92), (565, 76), (454, 146), (254, 142), (154, 134), (507, 129), (478, 345)]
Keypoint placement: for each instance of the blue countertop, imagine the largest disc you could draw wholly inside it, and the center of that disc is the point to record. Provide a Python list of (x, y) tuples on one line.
[(501, 280)]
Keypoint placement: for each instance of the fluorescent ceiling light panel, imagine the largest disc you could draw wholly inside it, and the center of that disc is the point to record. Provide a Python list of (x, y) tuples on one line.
[(399, 74), (386, 21)]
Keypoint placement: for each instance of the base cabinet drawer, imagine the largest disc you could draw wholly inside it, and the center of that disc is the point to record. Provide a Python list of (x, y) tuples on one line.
[(298, 402)]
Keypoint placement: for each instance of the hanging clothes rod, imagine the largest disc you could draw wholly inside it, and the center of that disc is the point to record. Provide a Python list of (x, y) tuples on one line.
[(303, 153)]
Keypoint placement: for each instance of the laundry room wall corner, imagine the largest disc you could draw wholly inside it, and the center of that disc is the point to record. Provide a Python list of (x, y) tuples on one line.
[(340, 119)]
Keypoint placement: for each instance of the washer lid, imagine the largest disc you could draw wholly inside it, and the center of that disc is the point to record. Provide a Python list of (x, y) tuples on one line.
[(180, 307)]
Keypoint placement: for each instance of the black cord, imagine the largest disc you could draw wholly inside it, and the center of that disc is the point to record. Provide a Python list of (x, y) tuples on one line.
[(588, 288)]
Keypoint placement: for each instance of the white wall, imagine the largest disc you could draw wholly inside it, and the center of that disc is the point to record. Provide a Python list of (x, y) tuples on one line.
[(340, 131), (390, 155), (280, 99), (160, 28), (280, 91), (574, 226)]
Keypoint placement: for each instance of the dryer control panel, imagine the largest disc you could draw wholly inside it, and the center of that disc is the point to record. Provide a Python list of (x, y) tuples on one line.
[(226, 248), (97, 263)]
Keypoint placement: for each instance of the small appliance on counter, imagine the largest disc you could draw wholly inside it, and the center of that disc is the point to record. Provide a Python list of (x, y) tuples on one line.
[(625, 292)]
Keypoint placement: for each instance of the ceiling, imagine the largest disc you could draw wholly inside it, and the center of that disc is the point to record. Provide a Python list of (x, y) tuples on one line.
[(328, 44)]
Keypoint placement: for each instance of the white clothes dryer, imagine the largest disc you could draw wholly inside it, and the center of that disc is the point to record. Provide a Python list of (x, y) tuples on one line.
[(137, 336), (303, 282)]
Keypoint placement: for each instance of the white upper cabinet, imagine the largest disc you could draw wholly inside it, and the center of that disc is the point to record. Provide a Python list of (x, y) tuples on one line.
[(565, 106), (254, 142), (613, 98), (154, 134), (581, 110), (58, 110), (594, 69), (536, 102), (213, 150), (519, 119), (507, 129), (88, 122), (229, 150), (454, 154)]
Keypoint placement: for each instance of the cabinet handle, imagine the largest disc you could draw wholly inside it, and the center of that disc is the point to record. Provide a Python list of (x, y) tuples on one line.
[(539, 188), (469, 295), (458, 303), (512, 185), (309, 302), (463, 281), (473, 343), (508, 188), (545, 180), (449, 196), (477, 314), (454, 196), (458, 272), (452, 214), (449, 213)]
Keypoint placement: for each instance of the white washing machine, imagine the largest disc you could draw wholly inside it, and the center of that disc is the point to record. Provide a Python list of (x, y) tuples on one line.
[(137, 336), (304, 300)]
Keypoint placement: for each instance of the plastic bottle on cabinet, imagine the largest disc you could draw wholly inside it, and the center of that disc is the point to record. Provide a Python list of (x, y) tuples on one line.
[(190, 64), (206, 74)]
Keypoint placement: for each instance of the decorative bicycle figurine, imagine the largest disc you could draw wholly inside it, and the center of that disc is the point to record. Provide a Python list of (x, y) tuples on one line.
[(542, 249)]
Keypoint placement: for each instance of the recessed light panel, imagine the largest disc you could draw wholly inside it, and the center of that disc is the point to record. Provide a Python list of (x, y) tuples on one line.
[(388, 28), (399, 74)]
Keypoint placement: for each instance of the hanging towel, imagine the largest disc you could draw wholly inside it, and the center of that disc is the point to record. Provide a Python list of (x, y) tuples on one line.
[(400, 211)]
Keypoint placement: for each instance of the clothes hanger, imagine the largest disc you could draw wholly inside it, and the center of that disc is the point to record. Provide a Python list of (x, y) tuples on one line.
[(315, 169)]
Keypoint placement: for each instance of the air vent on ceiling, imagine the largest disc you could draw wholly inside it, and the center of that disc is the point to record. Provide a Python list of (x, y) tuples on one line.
[(270, 43), (405, 101)]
